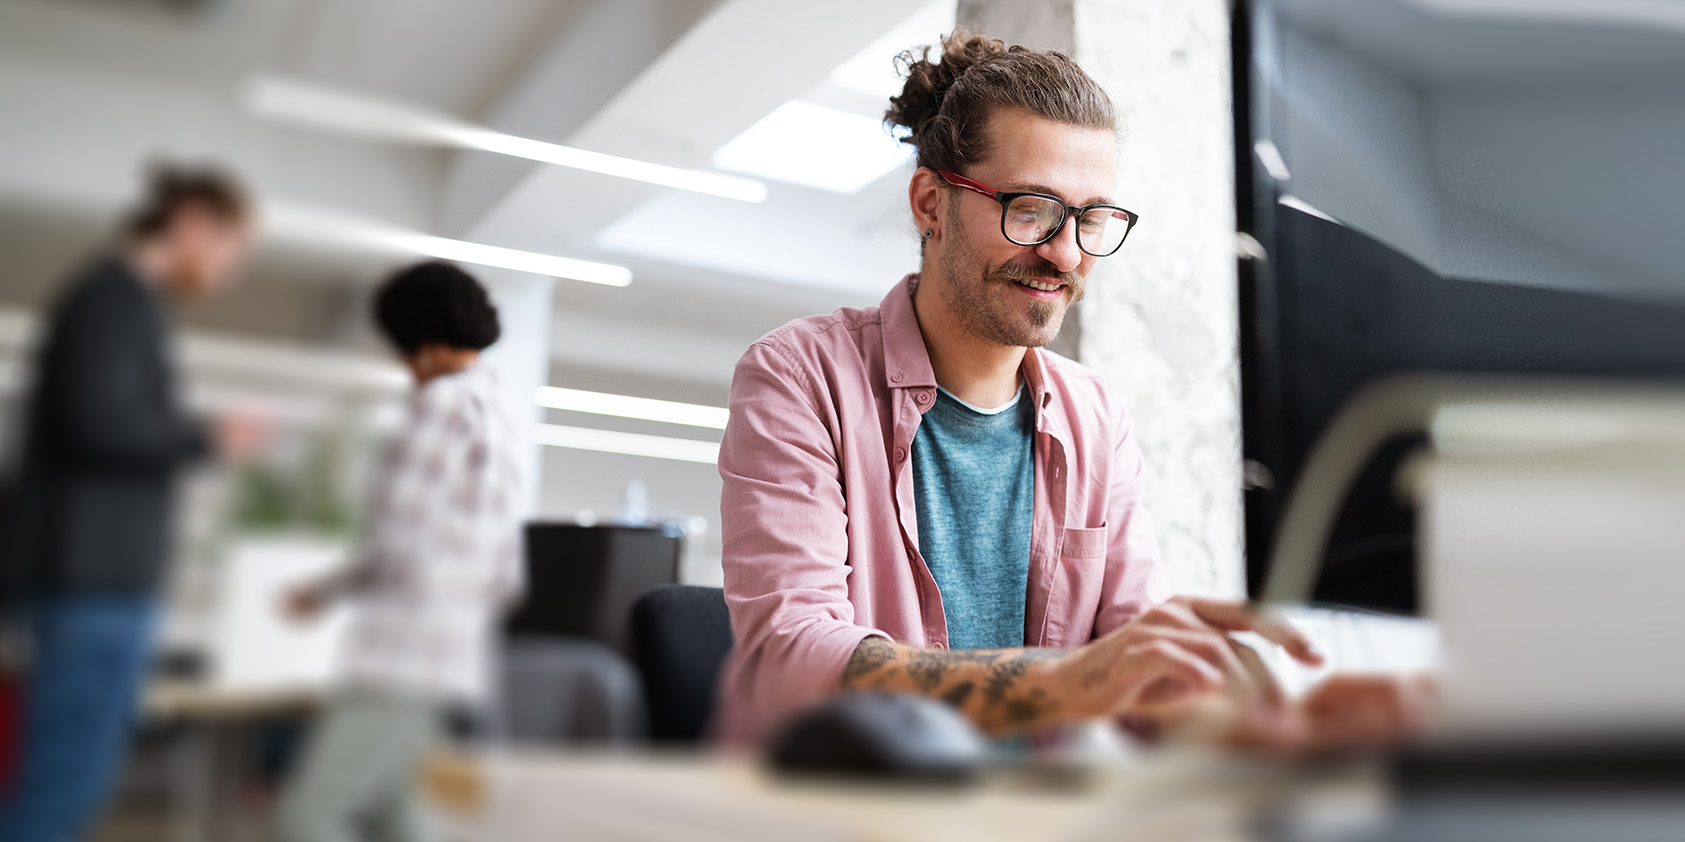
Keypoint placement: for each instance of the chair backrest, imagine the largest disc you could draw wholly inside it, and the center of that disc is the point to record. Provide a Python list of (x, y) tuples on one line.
[(680, 637)]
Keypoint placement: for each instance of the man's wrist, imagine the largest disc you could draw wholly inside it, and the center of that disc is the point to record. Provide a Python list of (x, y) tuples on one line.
[(1064, 677)]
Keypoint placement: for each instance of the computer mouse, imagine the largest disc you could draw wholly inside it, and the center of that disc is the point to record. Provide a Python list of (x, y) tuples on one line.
[(882, 735)]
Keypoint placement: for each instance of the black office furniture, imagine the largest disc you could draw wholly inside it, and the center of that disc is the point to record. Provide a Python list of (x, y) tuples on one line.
[(582, 580), (680, 637)]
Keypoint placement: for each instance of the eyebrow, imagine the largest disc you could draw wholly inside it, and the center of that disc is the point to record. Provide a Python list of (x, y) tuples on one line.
[(1024, 187)]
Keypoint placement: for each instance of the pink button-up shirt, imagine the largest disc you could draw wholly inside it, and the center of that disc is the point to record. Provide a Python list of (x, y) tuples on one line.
[(820, 527)]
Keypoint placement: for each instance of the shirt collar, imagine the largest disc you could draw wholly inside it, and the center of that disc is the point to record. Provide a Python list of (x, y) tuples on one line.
[(1034, 371), (906, 362)]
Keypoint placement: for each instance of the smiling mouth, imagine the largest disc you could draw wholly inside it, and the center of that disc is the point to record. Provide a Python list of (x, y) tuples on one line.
[(1044, 287)]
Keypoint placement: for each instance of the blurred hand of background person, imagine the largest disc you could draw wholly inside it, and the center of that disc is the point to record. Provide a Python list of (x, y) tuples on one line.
[(306, 603), (240, 435)]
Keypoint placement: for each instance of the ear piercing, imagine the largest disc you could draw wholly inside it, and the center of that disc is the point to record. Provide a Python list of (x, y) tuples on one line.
[(929, 232)]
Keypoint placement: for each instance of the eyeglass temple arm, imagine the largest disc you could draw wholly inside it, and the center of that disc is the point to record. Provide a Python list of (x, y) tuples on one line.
[(965, 183)]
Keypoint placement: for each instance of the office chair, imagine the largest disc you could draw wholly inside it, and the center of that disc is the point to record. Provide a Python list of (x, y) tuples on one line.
[(680, 637)]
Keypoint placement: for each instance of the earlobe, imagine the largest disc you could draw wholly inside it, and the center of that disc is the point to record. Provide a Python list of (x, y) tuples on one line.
[(924, 197)]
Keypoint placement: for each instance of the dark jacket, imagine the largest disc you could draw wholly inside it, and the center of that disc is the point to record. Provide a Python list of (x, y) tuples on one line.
[(93, 505)]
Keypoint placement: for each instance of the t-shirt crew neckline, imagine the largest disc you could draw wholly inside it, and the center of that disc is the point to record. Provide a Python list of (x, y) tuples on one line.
[(1016, 397)]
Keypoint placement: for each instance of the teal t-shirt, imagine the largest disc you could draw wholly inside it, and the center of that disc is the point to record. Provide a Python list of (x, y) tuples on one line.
[(974, 483)]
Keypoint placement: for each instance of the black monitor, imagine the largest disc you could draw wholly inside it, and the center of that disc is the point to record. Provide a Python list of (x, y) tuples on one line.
[(582, 580), (1441, 190)]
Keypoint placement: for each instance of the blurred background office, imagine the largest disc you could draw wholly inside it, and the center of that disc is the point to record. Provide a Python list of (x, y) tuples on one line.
[(377, 133), (647, 186)]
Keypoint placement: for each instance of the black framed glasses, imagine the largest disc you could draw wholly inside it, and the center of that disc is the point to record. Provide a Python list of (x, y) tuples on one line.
[(1030, 219)]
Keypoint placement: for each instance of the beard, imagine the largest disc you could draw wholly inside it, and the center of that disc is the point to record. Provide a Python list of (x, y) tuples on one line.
[(977, 295)]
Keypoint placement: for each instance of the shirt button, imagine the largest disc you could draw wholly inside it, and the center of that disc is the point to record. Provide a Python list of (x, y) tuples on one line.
[(900, 454), (924, 397), (895, 378), (938, 645)]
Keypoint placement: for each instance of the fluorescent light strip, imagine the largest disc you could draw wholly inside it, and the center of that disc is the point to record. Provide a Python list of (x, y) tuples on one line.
[(629, 444), (349, 112), (713, 184), (537, 263), (325, 226), (626, 406)]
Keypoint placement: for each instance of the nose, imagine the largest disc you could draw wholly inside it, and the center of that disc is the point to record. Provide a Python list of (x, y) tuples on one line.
[(1062, 250)]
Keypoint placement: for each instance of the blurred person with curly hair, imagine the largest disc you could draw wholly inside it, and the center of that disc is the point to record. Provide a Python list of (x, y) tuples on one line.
[(439, 561)]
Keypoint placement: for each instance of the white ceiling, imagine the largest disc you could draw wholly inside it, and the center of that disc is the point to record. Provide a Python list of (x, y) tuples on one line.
[(454, 55), (91, 89)]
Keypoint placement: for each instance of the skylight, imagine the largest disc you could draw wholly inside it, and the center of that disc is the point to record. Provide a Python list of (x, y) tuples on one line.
[(814, 146)]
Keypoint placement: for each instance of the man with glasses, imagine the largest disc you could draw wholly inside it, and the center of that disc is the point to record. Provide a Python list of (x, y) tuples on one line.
[(919, 498)]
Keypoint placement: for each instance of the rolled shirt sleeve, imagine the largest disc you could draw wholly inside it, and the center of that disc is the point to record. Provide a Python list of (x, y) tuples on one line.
[(786, 550)]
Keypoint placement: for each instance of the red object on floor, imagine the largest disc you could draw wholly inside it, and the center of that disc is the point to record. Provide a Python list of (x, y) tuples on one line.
[(11, 726)]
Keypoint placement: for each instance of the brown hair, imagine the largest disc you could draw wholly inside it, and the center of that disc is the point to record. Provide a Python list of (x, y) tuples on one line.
[(947, 100), (171, 187)]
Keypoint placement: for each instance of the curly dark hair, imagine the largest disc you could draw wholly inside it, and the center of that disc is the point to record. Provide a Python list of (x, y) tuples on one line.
[(948, 98), (435, 302)]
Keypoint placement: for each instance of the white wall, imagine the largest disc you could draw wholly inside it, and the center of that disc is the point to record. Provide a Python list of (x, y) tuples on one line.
[(1567, 183), (521, 357), (580, 479), (78, 138)]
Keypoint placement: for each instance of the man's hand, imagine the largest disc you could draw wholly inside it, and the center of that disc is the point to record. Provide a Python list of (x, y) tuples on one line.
[(1345, 712), (1176, 653)]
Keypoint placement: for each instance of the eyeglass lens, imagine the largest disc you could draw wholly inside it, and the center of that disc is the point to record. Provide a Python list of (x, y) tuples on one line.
[(1030, 220)]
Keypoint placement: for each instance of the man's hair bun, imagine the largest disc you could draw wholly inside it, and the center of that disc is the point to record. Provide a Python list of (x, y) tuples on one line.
[(953, 87)]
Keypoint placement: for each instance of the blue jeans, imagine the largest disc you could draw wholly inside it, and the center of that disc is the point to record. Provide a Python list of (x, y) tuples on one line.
[(90, 653)]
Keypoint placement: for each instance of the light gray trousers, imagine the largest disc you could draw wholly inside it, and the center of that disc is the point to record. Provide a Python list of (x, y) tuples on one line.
[(356, 781)]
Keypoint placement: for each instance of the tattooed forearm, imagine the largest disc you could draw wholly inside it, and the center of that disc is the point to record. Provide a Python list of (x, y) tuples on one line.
[(1000, 689), (1004, 676), (1029, 708), (930, 667), (958, 694), (869, 657)]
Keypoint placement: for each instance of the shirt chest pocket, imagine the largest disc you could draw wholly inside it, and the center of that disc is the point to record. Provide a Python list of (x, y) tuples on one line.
[(1078, 581), (1082, 543)]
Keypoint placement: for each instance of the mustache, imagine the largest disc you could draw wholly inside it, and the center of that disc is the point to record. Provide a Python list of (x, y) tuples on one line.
[(1016, 271)]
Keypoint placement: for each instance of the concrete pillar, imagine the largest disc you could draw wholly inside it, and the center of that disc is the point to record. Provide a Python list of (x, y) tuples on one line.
[(1045, 24), (1161, 316)]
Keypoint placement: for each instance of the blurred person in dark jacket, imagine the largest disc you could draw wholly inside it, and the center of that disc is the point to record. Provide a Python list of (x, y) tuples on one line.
[(439, 560), (85, 540)]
